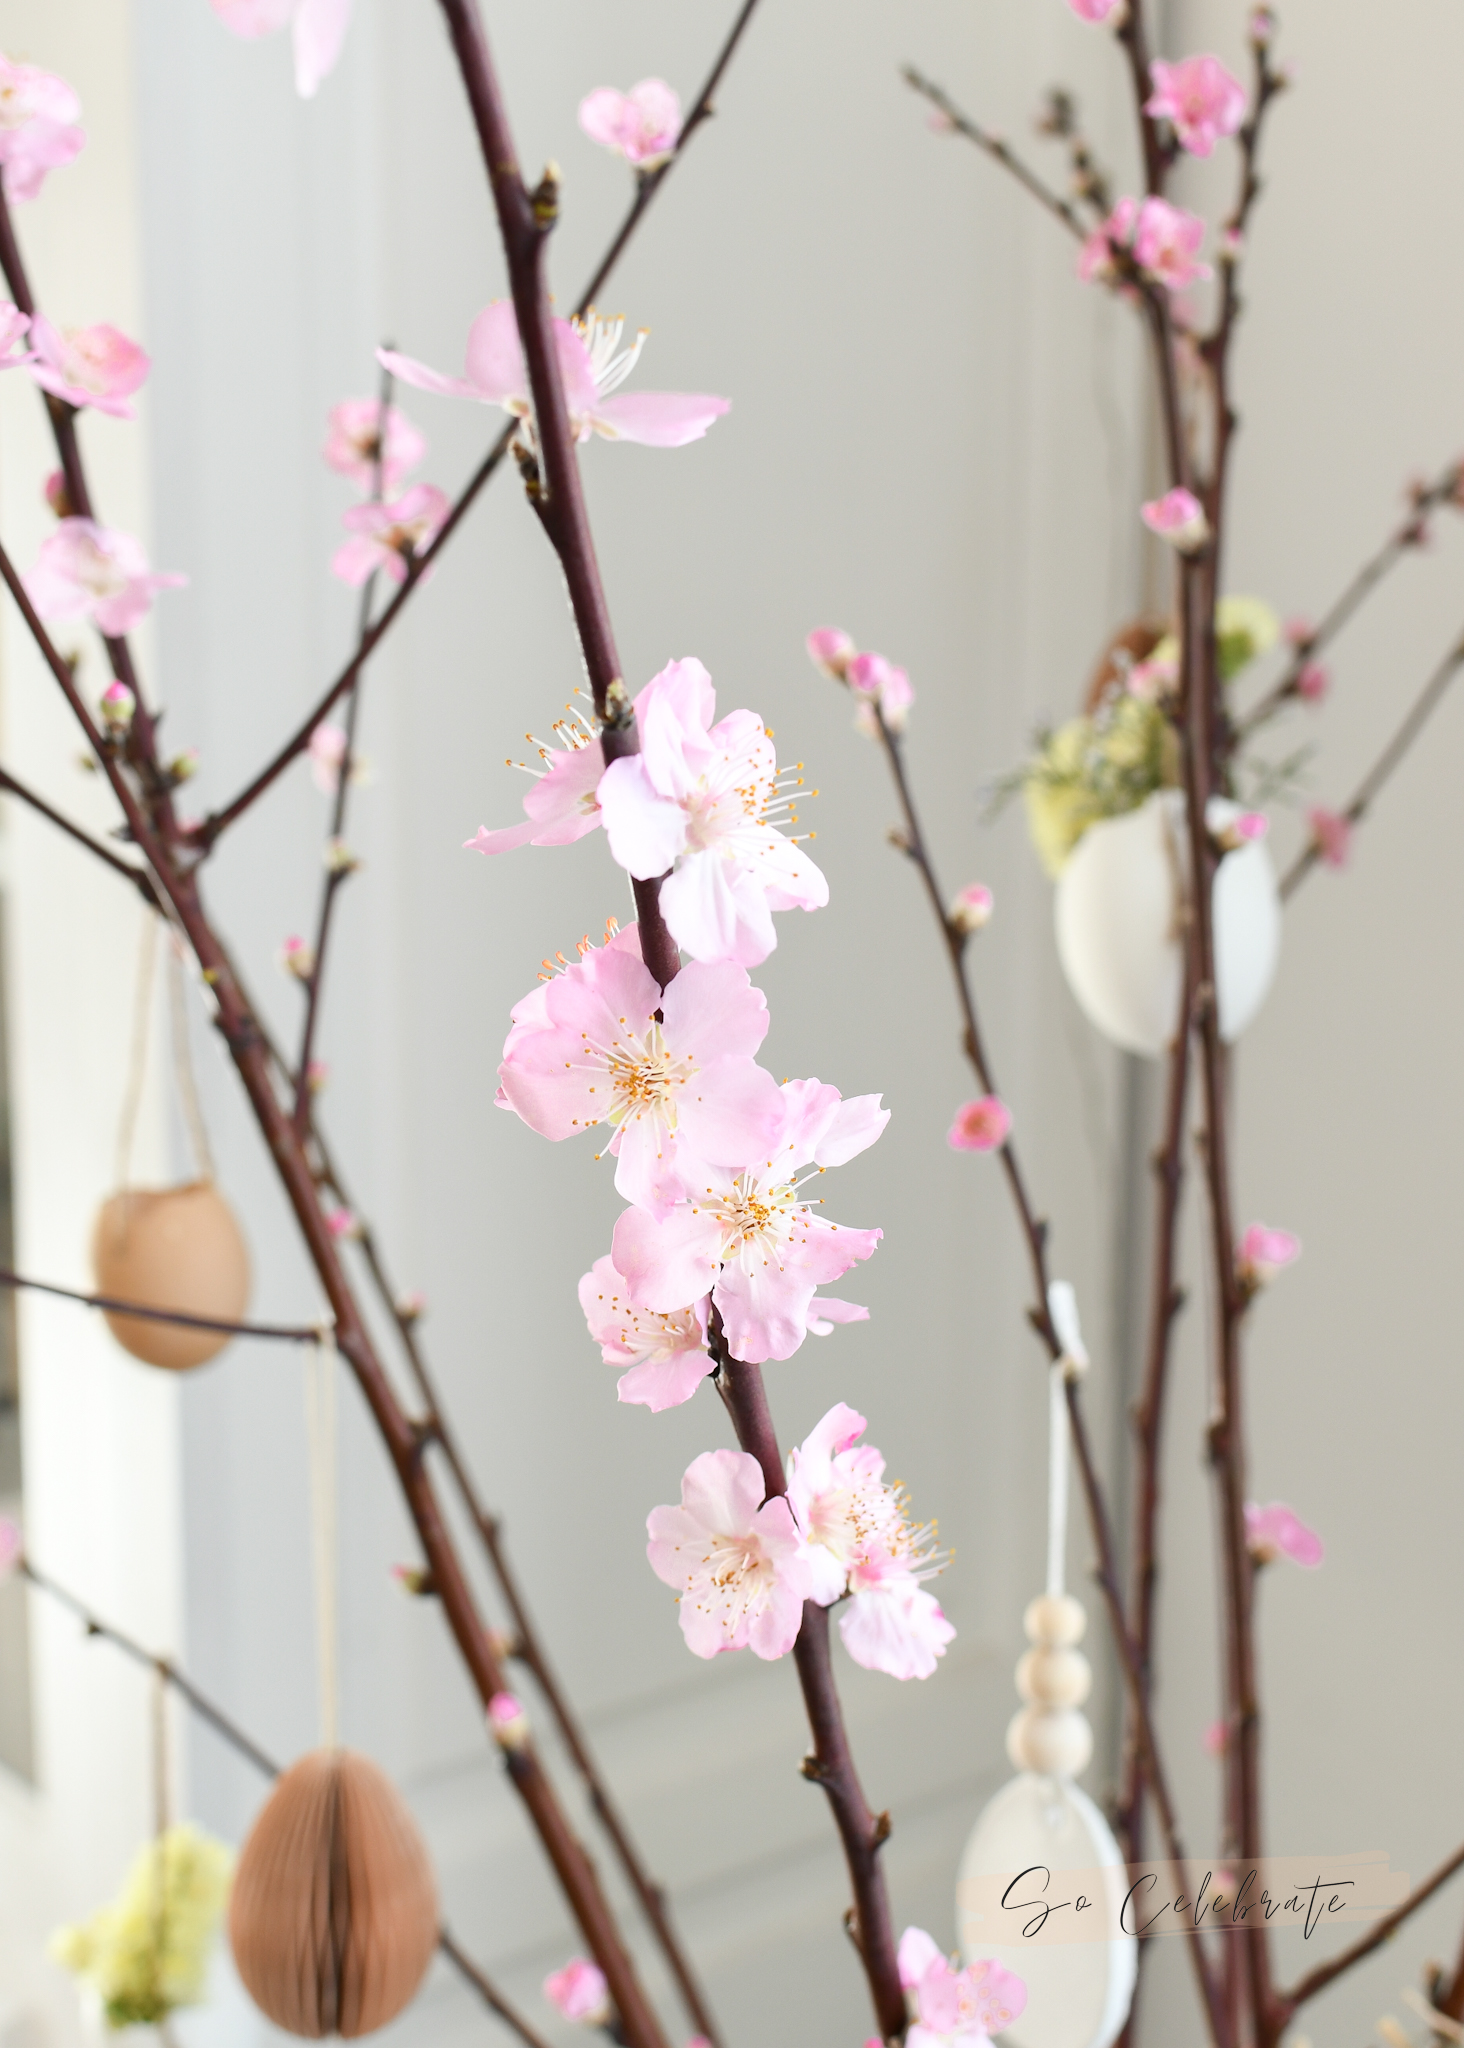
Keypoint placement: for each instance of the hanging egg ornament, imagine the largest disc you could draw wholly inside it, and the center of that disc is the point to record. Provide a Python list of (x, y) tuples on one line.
[(171, 1248), (1120, 910), (333, 1920), (1078, 1991)]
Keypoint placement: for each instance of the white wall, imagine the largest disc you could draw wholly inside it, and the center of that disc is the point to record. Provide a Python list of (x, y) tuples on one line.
[(928, 444)]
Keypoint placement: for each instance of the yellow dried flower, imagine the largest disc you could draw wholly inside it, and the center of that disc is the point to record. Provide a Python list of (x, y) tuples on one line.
[(1245, 628), (148, 1952), (1094, 768)]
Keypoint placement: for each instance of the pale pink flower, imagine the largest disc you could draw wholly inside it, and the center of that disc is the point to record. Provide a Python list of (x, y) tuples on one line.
[(88, 571), (1167, 244), (319, 28), (389, 537), (1251, 825), (736, 1560), (592, 365), (1098, 257), (1313, 683), (955, 2005), (579, 1992), (96, 366), (12, 1546), (748, 1238), (699, 799), (860, 1542), (1199, 99), (972, 908), (600, 1045), (1331, 834), (830, 649), (565, 804), (508, 1723), (353, 443), (980, 1126), (878, 684), (38, 131), (1094, 10), (1278, 1531), (642, 125), (1179, 518), (1264, 1252), (665, 1354)]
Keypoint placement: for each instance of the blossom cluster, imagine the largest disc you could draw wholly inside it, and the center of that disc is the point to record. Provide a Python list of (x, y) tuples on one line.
[(722, 1252)]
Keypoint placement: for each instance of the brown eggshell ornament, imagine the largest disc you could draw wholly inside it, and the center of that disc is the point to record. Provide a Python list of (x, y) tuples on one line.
[(333, 1919), (177, 1248)]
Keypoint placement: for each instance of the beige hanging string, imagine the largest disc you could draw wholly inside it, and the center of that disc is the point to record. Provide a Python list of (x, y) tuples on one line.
[(183, 1064), (320, 1417), (161, 1803), (137, 1063)]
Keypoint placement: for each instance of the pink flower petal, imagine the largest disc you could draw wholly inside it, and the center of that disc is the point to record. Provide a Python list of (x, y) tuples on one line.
[(657, 419), (980, 1126), (319, 31)]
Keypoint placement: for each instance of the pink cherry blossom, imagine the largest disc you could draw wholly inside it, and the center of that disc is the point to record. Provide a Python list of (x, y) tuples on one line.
[(1264, 1252), (879, 686), (88, 571), (1313, 682), (666, 1354), (12, 1546), (829, 649), (14, 326), (579, 1992), (1094, 10), (1331, 834), (1200, 100), (38, 131), (861, 1543), (592, 365), (736, 1560), (700, 799), (972, 908), (96, 366), (389, 537), (1179, 518), (353, 441), (748, 1238), (1278, 1531), (1097, 259), (601, 1045), (642, 125), (955, 2005), (319, 28), (1167, 244), (980, 1126), (564, 805)]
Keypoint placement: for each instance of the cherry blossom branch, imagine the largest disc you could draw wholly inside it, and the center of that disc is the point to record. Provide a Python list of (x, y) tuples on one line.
[(1134, 40), (997, 148), (1419, 713), (245, 1746), (286, 1333), (831, 1762), (401, 1436), (1317, 1980), (137, 876)]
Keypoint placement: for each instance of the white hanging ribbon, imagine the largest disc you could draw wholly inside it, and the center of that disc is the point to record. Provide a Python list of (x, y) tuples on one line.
[(1062, 1307)]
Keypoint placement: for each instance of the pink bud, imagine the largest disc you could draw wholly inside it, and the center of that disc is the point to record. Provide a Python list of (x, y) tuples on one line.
[(1299, 632), (1094, 10), (972, 908), (342, 1222), (1331, 835), (1252, 825), (411, 1578), (579, 1992), (980, 1126), (1313, 683), (1278, 1531), (297, 957), (411, 1305), (1264, 1252), (508, 1724), (1179, 518), (118, 705), (55, 493), (829, 649), (317, 1075)]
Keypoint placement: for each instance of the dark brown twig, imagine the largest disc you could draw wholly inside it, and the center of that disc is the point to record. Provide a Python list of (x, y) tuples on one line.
[(1317, 1980), (999, 150), (139, 877), (287, 1333)]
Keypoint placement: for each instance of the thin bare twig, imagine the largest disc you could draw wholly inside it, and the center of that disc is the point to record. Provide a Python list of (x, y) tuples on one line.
[(997, 148), (286, 1333), (1327, 1973), (138, 876)]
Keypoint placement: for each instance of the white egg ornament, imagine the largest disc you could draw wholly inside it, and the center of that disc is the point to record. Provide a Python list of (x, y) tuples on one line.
[(1119, 912)]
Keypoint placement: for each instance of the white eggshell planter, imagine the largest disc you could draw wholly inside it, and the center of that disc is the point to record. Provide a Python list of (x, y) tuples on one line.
[(1119, 915)]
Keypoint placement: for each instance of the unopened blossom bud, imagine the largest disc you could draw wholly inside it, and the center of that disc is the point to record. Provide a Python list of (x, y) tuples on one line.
[(1179, 518), (412, 1579), (183, 767), (830, 649), (317, 1076), (118, 705), (1244, 831), (342, 1222), (1331, 835), (1232, 244), (1313, 682), (11, 1546), (972, 908), (1263, 1253), (339, 859), (508, 1724), (297, 957), (56, 494), (1262, 26), (502, 1645), (980, 1126), (1099, 10), (1299, 633), (1278, 1531), (580, 1992), (411, 1305)]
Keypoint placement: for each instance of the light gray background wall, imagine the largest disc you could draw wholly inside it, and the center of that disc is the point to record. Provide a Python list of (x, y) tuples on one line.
[(936, 439)]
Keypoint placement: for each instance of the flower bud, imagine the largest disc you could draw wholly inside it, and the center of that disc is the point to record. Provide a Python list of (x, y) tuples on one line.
[(580, 1993), (118, 706), (1313, 683), (317, 1076), (1179, 518), (830, 649), (980, 1126), (508, 1724), (411, 1305), (183, 767), (57, 496), (339, 859), (297, 957), (412, 1579), (972, 908), (342, 1222)]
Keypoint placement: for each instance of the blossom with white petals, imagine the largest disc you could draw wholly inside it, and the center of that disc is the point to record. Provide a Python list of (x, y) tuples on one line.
[(953, 2005), (749, 1238), (592, 366), (737, 1560), (699, 800), (391, 538), (96, 366), (88, 571), (642, 125), (564, 804), (664, 1355), (38, 127), (355, 446), (861, 1543)]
